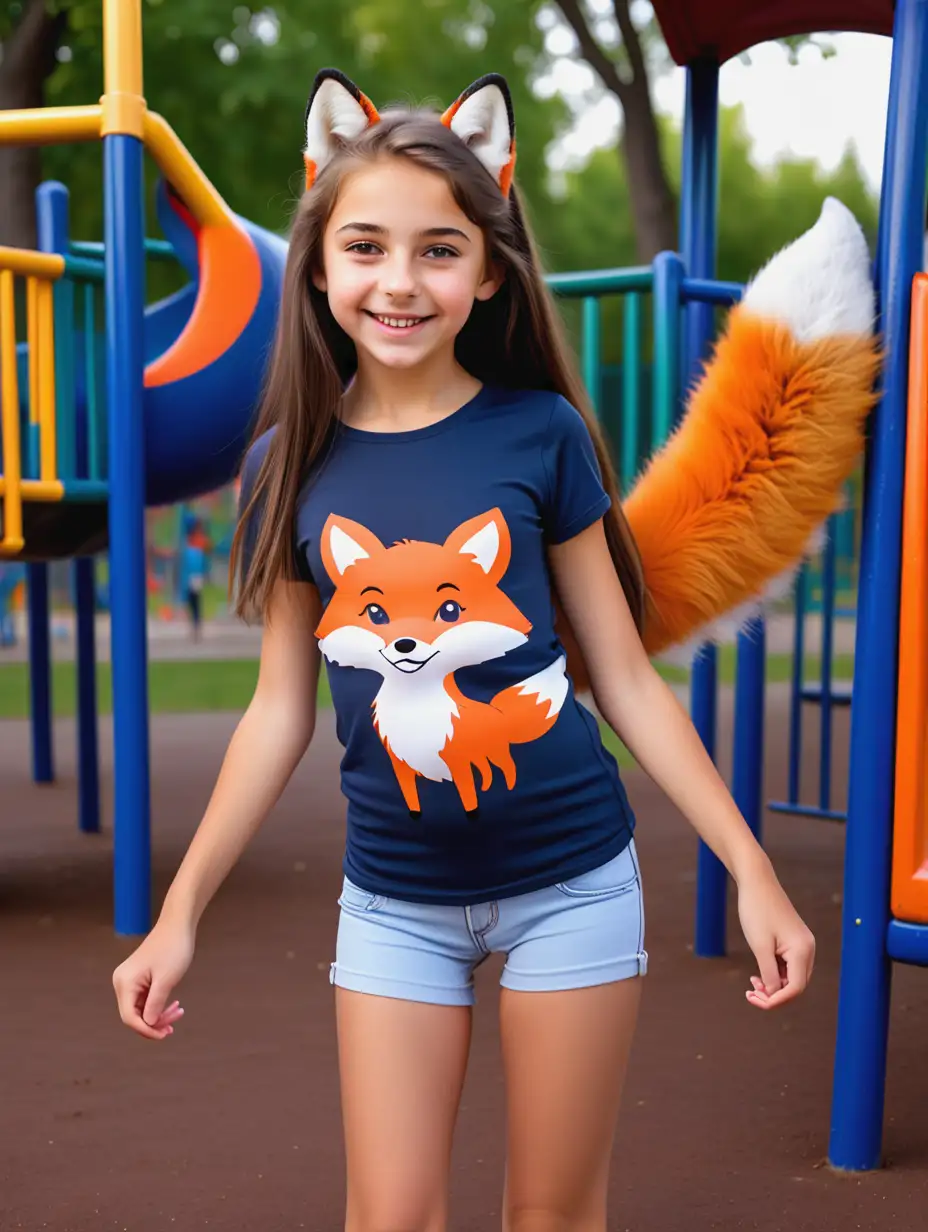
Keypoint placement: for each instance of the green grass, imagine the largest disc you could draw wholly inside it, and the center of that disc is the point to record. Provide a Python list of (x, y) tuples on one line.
[(203, 685)]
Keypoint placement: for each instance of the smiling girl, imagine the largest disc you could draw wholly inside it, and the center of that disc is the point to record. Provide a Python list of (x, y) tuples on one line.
[(428, 506)]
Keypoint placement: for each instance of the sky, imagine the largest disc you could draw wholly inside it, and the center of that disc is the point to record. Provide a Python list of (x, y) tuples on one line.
[(815, 109)]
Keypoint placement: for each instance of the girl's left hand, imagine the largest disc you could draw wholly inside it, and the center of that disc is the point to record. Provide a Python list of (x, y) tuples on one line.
[(782, 944)]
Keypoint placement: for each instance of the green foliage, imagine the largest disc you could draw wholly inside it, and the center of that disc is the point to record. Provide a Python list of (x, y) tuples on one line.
[(760, 210), (233, 79)]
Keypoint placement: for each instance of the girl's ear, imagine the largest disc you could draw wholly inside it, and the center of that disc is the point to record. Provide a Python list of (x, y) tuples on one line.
[(336, 111), (482, 117), (493, 279)]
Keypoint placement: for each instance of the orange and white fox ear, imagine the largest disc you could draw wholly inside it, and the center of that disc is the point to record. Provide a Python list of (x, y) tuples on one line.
[(483, 118), (343, 543), (487, 540), (337, 111)]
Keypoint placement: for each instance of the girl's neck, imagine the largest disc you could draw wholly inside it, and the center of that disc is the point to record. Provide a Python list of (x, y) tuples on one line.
[(397, 400)]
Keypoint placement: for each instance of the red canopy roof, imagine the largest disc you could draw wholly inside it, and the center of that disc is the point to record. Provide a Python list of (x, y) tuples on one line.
[(723, 28)]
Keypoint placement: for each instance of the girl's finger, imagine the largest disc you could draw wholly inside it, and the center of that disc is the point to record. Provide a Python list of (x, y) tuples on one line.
[(776, 999)]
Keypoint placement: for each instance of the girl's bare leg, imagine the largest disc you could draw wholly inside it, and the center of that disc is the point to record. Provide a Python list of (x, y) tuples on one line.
[(565, 1055), (402, 1066)]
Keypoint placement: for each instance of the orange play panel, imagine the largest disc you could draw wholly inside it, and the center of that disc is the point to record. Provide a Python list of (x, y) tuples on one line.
[(910, 836)]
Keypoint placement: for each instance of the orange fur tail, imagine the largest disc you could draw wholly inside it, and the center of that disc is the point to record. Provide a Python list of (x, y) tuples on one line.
[(772, 432)]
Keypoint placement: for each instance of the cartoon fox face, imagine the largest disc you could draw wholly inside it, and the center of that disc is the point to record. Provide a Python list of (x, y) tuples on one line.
[(418, 610)]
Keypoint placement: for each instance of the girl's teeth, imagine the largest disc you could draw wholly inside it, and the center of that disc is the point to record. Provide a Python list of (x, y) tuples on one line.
[(397, 323)]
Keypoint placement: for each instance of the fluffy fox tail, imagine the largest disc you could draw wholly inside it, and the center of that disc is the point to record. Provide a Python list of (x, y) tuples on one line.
[(726, 510)]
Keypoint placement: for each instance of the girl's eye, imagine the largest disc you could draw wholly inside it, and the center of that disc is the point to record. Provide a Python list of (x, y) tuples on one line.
[(442, 251), (377, 615), (364, 248), (449, 611)]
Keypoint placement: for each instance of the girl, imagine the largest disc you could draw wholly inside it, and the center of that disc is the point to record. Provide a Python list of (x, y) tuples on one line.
[(421, 487)]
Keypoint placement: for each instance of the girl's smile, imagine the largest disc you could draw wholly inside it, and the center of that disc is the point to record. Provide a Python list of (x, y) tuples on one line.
[(402, 266)]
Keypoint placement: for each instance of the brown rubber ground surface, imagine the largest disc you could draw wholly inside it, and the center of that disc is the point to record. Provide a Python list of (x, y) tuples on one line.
[(234, 1124)]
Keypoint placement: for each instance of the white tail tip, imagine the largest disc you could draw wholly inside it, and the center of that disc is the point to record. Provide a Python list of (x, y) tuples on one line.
[(819, 285)]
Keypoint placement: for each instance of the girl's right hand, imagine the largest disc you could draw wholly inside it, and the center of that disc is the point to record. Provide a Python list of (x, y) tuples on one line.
[(146, 979)]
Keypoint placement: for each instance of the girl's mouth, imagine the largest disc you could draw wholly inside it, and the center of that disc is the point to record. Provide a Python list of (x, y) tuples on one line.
[(398, 324)]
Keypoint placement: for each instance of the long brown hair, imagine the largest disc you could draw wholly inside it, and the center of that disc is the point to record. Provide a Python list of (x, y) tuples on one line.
[(515, 339)]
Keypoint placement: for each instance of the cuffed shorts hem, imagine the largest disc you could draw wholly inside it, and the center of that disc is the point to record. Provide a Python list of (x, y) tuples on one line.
[(583, 977), (399, 990)]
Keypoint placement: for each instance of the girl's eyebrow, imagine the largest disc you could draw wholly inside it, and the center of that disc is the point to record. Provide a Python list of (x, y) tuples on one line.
[(370, 228)]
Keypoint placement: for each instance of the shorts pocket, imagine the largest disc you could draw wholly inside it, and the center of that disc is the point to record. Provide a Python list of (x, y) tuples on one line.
[(616, 876), (353, 898)]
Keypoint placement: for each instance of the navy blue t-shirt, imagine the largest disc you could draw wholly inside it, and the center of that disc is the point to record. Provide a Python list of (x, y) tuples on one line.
[(470, 769)]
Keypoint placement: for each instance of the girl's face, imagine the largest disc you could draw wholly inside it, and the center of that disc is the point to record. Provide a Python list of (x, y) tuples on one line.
[(402, 264)]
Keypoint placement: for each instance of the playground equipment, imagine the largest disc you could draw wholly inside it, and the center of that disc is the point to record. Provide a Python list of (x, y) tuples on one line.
[(150, 431)]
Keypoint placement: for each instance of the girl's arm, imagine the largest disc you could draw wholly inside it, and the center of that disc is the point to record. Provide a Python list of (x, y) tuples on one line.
[(268, 743), (646, 716)]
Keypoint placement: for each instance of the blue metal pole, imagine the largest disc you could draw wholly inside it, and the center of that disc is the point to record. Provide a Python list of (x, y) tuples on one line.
[(54, 236), (798, 677), (748, 751), (88, 760), (826, 701), (863, 1000), (125, 300), (698, 231), (49, 206), (40, 674)]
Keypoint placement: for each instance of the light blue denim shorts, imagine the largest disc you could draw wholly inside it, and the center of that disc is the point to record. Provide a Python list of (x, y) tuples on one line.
[(585, 931)]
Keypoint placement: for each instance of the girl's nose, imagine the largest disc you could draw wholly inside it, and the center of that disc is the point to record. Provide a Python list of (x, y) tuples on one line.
[(398, 278)]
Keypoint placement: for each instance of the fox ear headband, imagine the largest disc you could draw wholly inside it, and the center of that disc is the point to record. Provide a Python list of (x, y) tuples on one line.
[(482, 117)]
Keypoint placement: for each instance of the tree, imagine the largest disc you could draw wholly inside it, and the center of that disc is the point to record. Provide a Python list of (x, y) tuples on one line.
[(624, 54), (233, 80), (29, 37)]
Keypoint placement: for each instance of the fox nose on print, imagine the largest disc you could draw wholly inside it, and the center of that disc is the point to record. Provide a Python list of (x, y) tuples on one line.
[(405, 645)]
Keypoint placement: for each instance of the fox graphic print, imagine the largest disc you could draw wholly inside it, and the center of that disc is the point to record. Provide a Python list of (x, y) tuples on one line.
[(416, 613)]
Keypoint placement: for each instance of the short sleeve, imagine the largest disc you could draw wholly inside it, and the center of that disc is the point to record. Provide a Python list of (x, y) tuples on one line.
[(251, 467), (576, 496)]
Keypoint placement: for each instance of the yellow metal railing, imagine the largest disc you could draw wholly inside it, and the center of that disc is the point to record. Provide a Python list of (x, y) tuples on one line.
[(121, 109), (40, 270)]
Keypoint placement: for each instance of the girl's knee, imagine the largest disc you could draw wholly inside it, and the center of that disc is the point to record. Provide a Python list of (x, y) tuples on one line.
[(395, 1213), (546, 1219)]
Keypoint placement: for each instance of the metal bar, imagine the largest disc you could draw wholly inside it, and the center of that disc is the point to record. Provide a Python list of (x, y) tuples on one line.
[(806, 810), (182, 171), (90, 382), (631, 388), (601, 282), (50, 125), (125, 300), (907, 943), (31, 264), (154, 248), (12, 541), (36, 490), (40, 674), (80, 267), (698, 237), (665, 390), (45, 359), (795, 701), (748, 752), (708, 291), (86, 491), (812, 693), (590, 350), (88, 758), (825, 693), (863, 1001)]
